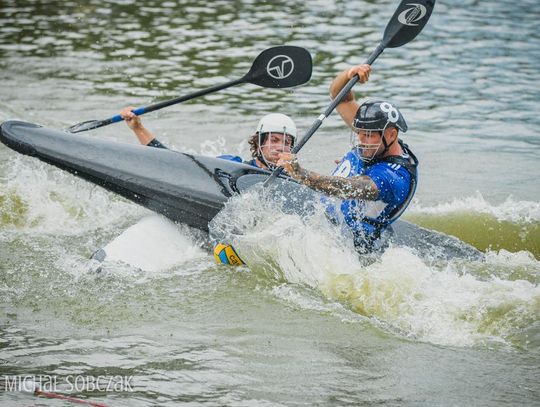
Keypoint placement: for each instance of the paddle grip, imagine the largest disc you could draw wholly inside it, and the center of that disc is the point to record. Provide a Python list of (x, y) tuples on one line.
[(114, 119), (117, 118)]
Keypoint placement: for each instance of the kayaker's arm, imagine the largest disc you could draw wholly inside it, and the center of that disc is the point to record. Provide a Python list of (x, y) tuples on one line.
[(134, 122), (145, 136), (348, 107), (359, 187)]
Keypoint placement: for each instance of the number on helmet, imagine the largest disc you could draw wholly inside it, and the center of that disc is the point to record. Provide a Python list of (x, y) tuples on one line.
[(390, 111)]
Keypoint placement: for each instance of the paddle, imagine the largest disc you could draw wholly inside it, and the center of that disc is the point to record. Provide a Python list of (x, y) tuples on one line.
[(406, 23), (277, 67)]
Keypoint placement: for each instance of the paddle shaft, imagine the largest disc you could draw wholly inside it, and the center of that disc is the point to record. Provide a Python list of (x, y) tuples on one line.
[(283, 66), (160, 105), (336, 101)]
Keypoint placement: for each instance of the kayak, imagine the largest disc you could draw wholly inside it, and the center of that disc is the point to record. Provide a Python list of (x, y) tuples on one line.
[(188, 189), (185, 188)]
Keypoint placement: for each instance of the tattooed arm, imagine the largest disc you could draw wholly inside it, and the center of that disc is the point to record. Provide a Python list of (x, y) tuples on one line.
[(359, 187)]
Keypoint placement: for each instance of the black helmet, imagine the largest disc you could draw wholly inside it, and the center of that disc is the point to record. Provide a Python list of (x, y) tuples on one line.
[(378, 115)]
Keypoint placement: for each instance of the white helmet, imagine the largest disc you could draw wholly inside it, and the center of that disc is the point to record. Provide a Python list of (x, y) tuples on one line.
[(277, 123)]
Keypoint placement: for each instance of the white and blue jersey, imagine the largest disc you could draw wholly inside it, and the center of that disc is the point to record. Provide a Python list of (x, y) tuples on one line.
[(395, 178)]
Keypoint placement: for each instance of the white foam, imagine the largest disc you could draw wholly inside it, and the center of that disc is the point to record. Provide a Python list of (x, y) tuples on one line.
[(510, 259), (441, 305), (59, 203)]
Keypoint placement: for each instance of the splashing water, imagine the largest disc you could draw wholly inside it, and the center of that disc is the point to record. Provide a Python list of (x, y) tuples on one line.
[(457, 302), (446, 305), (42, 199)]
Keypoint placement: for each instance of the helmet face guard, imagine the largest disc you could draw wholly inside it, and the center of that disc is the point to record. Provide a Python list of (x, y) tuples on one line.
[(368, 151), (274, 143)]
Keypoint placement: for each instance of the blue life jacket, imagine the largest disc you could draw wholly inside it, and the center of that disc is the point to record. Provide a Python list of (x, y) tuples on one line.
[(396, 179)]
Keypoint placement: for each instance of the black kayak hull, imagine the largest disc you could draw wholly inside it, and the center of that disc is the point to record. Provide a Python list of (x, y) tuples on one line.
[(186, 188)]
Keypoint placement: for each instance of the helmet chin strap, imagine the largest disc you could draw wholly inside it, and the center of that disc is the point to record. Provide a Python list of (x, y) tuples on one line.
[(260, 154), (261, 158), (386, 145)]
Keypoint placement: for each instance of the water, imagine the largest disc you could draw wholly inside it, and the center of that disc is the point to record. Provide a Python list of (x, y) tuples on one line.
[(308, 323)]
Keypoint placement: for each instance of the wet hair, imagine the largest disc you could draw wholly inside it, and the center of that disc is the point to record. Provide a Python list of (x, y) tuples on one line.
[(254, 144)]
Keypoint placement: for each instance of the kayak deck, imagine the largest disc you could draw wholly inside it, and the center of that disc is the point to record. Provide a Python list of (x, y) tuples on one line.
[(185, 188)]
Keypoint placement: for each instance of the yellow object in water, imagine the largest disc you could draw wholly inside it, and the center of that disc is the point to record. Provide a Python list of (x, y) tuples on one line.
[(225, 254)]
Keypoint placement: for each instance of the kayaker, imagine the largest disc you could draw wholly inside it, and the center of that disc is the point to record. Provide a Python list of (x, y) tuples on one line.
[(275, 133), (376, 180)]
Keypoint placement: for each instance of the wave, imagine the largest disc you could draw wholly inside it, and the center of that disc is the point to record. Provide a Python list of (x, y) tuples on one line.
[(512, 225)]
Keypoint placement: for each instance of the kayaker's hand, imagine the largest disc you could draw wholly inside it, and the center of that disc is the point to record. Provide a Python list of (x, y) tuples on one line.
[(289, 162), (363, 72), (133, 121)]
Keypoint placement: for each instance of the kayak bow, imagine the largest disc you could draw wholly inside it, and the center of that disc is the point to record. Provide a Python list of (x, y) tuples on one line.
[(186, 188)]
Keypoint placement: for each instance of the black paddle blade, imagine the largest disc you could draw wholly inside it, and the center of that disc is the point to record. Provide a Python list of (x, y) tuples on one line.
[(281, 67), (84, 126), (409, 19)]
